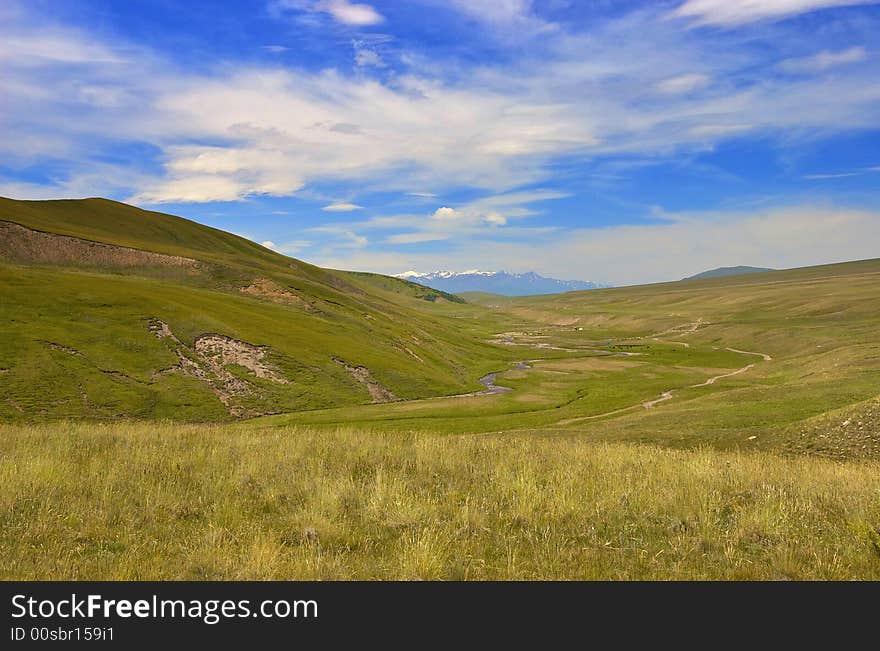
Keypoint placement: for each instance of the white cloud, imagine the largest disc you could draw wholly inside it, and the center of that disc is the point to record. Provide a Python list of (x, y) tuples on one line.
[(275, 49), (495, 218), (507, 18), (729, 13), (350, 13), (342, 11), (839, 175), (842, 175), (824, 60), (55, 45), (446, 213), (354, 240), (682, 83), (269, 244), (290, 248), (195, 189), (364, 56), (283, 131), (341, 207), (416, 238)]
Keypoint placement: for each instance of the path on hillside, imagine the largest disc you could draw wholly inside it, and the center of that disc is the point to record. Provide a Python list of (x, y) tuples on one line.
[(684, 329)]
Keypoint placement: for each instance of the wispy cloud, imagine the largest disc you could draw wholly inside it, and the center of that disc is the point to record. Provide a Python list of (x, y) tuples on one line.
[(417, 238), (365, 56), (341, 207), (824, 60), (342, 11), (842, 175), (683, 83), (295, 246), (731, 13)]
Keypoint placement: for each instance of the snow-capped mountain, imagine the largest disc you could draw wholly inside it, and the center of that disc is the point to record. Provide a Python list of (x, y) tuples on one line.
[(495, 282)]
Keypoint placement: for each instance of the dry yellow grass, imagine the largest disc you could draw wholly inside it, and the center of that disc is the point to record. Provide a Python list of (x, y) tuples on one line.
[(154, 501)]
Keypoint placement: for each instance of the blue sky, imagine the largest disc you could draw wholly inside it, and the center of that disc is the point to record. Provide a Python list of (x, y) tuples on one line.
[(618, 141)]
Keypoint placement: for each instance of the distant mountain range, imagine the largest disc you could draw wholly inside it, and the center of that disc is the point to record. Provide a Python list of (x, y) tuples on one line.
[(496, 282), (727, 271)]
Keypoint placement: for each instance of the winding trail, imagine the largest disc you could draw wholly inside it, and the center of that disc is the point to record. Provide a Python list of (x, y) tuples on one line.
[(766, 357), (488, 380), (684, 329), (712, 380)]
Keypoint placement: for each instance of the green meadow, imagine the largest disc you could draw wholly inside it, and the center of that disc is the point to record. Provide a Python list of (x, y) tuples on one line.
[(178, 402)]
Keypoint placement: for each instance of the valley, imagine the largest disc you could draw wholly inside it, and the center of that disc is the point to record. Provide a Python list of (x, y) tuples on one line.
[(179, 402)]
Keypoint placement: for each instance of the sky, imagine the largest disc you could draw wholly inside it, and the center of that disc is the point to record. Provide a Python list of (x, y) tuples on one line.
[(608, 140)]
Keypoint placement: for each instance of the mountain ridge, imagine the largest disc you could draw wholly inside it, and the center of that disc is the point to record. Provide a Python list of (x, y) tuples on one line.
[(720, 272), (503, 283)]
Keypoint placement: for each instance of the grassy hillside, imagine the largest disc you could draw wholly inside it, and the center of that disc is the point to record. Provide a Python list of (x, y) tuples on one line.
[(202, 502), (102, 220), (76, 335)]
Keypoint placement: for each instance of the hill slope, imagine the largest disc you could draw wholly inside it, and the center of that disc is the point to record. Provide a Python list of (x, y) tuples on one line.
[(109, 310)]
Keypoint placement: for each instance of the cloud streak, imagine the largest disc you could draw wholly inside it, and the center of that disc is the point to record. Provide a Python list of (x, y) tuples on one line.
[(342, 11), (733, 13)]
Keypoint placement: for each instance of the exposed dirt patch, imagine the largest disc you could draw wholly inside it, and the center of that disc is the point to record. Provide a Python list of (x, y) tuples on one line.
[(270, 290), (413, 354), (378, 393), (221, 350), (63, 349), (20, 244), (161, 330), (207, 360)]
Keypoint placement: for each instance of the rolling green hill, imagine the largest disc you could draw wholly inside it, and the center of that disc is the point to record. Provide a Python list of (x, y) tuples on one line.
[(247, 331)]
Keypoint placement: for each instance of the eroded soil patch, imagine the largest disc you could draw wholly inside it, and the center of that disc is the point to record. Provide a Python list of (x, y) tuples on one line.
[(20, 244), (272, 291), (207, 360), (378, 393)]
